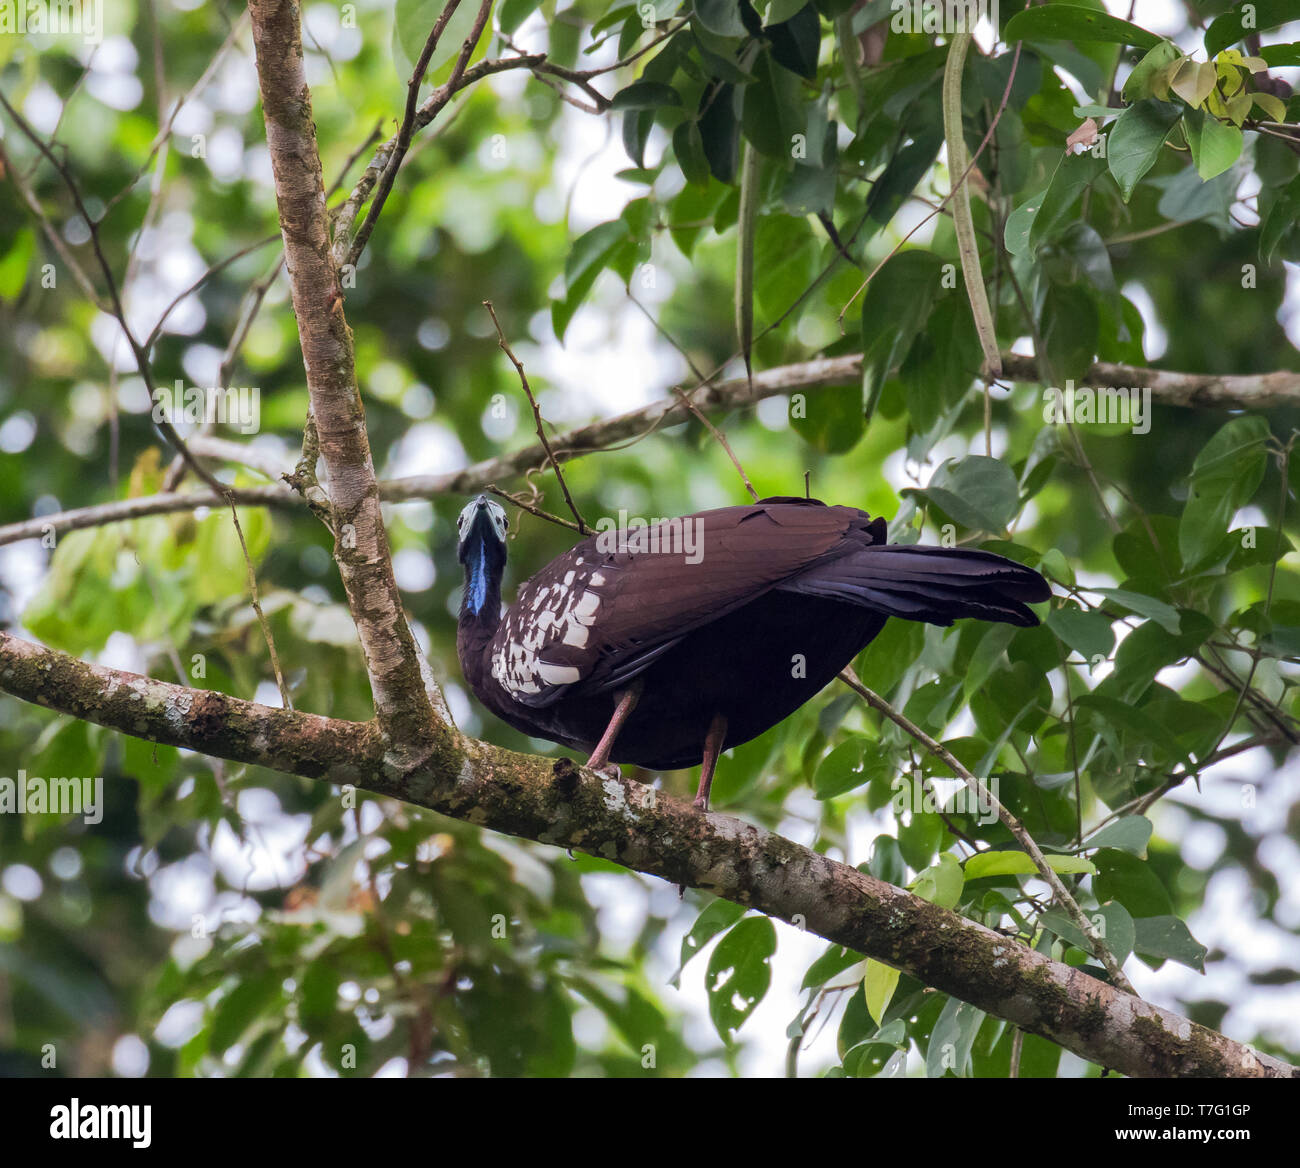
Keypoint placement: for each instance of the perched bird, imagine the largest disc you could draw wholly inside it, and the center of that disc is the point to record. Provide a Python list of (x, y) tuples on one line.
[(663, 645)]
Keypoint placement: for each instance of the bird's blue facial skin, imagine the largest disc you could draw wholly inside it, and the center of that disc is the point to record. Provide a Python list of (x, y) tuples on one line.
[(478, 583)]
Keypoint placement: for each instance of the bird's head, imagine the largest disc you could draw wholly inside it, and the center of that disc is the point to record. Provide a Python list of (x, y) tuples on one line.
[(481, 522), (482, 530)]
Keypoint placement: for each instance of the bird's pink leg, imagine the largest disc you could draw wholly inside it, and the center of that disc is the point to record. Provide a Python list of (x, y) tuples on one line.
[(712, 748), (626, 703)]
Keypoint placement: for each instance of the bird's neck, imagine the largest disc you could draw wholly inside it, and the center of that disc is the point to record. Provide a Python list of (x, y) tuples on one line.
[(480, 607)]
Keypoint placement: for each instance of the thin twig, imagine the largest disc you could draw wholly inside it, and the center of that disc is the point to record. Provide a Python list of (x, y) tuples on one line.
[(408, 117), (257, 607), (532, 508), (219, 266), (722, 438), (537, 418)]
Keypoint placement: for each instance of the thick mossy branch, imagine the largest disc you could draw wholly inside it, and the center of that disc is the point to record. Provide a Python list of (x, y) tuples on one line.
[(644, 830)]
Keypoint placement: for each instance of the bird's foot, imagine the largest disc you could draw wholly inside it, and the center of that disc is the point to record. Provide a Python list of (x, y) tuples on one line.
[(610, 770)]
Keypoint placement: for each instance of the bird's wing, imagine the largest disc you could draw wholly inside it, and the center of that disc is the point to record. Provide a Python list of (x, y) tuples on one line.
[(600, 613)]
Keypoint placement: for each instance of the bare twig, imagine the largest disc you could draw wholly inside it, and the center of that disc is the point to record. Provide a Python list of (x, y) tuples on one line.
[(532, 508), (537, 418), (285, 696), (722, 439), (403, 143)]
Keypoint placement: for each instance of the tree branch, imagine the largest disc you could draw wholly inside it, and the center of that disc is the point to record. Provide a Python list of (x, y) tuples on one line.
[(644, 830), (1198, 390), (407, 711)]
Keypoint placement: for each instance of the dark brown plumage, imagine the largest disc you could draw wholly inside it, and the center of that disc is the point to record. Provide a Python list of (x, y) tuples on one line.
[(665, 657)]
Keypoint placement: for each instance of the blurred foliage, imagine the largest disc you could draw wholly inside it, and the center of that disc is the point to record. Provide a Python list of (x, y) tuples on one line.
[(242, 922)]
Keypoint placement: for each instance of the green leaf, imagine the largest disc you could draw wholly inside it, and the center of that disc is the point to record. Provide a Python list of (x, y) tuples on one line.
[(1121, 715), (688, 149), (591, 249), (1146, 80), (242, 1006), (1215, 145), (829, 419), (835, 960), (1167, 936), (1070, 329), (513, 13), (720, 131), (1165, 615), (894, 310), (1188, 198), (1129, 833), (591, 252), (637, 125), (978, 492), (942, 364), (899, 179), (919, 839), (413, 20), (1112, 921), (1136, 140), (878, 984), (887, 861), (796, 41), (952, 1038), (1087, 632), (719, 915), (772, 110), (1225, 477), (1098, 111), (1035, 220), (720, 17), (1279, 56), (1010, 863), (739, 974), (14, 265), (1274, 108), (1130, 881), (1069, 22), (851, 764), (1279, 220), (941, 883), (987, 656), (777, 11), (1193, 81), (645, 95)]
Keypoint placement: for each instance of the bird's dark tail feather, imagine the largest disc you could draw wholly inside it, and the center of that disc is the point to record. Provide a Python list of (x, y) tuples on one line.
[(932, 584)]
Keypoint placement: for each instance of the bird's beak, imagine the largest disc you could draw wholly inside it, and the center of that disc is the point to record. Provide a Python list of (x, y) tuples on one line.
[(480, 522)]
